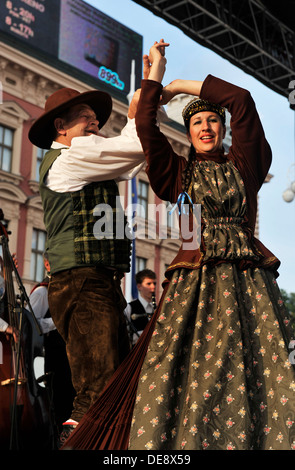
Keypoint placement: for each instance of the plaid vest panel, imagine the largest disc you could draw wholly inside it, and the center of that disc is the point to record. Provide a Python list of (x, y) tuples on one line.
[(86, 227), (100, 240)]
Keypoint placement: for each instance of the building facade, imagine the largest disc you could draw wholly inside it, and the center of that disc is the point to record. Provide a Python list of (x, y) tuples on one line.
[(26, 82)]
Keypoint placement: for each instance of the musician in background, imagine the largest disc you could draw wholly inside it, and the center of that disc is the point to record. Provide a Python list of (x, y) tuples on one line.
[(139, 311), (56, 362), (4, 326)]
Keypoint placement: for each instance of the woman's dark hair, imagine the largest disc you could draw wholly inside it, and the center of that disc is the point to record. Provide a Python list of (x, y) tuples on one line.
[(187, 173)]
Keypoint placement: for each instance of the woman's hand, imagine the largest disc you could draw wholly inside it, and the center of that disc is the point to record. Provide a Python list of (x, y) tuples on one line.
[(154, 65), (157, 51), (168, 92)]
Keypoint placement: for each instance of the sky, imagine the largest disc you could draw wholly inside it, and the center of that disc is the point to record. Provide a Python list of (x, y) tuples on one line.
[(187, 59)]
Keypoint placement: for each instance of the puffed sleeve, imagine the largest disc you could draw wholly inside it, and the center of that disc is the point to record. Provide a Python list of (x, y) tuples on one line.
[(164, 166), (250, 150)]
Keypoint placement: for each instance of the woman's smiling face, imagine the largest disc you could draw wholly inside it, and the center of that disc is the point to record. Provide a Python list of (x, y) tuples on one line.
[(206, 132)]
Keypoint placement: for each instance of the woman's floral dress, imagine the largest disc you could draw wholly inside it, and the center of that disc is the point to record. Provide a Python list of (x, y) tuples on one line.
[(217, 374)]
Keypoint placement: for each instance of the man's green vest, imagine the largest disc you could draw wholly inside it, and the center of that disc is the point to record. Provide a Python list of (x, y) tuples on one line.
[(76, 237)]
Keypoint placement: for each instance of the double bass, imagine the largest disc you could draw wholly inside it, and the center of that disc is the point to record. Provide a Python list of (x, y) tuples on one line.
[(25, 418)]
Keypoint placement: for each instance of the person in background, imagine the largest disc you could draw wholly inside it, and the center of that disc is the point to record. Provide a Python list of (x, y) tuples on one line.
[(56, 364), (139, 311), (8, 329)]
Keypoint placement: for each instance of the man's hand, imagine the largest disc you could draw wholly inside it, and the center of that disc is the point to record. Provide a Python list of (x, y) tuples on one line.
[(146, 66), (133, 105), (11, 331)]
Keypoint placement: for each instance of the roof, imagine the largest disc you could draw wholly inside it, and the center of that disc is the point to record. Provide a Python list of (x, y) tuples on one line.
[(255, 35)]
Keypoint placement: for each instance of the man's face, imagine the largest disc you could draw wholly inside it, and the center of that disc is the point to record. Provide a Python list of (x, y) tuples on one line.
[(147, 288), (79, 121)]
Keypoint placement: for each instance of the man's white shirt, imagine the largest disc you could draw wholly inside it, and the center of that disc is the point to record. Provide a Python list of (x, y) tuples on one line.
[(95, 158), (39, 304)]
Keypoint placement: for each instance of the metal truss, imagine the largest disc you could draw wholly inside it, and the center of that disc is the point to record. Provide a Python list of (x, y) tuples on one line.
[(244, 32)]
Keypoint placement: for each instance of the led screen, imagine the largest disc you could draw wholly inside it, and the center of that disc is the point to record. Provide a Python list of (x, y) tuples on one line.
[(78, 34), (34, 22)]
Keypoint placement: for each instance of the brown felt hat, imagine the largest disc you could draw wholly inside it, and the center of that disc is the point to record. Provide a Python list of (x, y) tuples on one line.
[(42, 131)]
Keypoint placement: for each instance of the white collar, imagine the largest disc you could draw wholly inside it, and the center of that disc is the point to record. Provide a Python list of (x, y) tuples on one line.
[(58, 145), (144, 302)]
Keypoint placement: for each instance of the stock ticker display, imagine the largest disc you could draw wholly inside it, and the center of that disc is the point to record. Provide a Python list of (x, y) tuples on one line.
[(78, 34)]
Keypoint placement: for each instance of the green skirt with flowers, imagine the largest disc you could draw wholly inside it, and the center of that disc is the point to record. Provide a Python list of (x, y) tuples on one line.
[(217, 374)]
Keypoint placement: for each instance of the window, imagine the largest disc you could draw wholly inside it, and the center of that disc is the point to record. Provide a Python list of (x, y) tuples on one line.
[(6, 143), (40, 155), (142, 199), (140, 264), (38, 248)]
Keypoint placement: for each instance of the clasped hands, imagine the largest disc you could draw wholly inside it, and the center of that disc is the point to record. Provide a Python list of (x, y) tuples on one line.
[(154, 66)]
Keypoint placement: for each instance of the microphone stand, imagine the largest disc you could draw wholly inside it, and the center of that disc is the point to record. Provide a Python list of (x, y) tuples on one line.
[(132, 329)]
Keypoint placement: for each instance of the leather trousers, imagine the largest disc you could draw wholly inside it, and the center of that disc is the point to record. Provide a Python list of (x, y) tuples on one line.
[(87, 307)]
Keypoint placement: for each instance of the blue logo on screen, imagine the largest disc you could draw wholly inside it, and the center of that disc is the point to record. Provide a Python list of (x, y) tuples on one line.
[(106, 75)]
